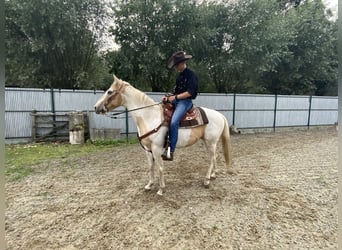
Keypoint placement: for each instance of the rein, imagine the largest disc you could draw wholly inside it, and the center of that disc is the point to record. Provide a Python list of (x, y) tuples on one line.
[(131, 110), (113, 116)]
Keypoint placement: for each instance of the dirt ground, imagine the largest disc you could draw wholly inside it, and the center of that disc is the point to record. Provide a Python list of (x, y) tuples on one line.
[(284, 196)]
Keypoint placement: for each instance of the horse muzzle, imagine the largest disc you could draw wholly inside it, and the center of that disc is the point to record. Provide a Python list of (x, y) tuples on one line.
[(101, 109)]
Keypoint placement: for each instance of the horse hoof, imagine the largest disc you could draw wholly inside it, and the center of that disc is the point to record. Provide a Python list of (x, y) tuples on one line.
[(213, 177), (148, 187), (160, 192), (231, 171), (206, 183)]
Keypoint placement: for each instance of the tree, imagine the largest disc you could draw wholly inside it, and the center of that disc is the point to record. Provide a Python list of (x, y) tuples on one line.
[(249, 46), (51, 44), (258, 39), (311, 65), (148, 32)]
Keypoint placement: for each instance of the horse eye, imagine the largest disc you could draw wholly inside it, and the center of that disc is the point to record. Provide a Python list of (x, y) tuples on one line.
[(109, 92)]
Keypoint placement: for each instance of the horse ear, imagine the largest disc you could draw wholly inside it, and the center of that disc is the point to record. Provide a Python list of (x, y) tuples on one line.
[(116, 78), (117, 81)]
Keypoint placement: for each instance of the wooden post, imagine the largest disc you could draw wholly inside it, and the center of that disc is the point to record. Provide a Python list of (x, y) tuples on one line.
[(76, 128)]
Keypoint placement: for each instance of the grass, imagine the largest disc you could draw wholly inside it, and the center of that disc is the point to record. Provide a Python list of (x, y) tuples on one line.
[(21, 158)]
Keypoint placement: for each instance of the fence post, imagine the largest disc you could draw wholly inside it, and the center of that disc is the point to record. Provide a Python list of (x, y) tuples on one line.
[(234, 99), (53, 110), (33, 125), (275, 111), (127, 129), (309, 111)]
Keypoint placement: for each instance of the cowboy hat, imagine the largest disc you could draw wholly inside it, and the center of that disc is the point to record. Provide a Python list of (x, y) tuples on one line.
[(176, 58)]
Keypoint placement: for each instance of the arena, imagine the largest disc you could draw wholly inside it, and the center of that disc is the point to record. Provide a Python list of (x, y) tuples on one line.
[(283, 196)]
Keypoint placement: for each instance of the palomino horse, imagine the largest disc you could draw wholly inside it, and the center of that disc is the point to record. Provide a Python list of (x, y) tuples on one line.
[(149, 118)]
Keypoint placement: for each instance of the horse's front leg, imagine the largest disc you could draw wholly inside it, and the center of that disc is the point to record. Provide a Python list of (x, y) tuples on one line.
[(150, 161), (158, 161), (160, 164)]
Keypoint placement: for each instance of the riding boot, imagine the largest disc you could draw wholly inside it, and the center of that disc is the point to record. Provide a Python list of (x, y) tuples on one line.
[(167, 155)]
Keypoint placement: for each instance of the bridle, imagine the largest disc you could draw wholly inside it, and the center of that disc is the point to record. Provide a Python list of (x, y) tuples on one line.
[(118, 91)]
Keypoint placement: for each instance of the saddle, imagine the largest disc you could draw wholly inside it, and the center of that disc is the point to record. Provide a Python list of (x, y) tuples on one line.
[(193, 118)]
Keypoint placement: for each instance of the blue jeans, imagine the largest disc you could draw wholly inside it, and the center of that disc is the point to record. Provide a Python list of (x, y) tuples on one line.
[(181, 107)]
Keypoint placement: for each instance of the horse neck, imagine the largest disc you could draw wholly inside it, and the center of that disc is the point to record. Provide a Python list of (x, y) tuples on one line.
[(145, 117)]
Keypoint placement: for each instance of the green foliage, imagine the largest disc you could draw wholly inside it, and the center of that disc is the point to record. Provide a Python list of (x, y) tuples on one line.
[(310, 67), (255, 46), (149, 32), (50, 43), (249, 46)]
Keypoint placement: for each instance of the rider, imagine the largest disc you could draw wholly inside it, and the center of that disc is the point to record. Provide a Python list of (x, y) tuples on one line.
[(185, 90)]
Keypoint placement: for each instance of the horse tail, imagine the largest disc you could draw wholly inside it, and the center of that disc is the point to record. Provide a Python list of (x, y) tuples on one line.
[(227, 150)]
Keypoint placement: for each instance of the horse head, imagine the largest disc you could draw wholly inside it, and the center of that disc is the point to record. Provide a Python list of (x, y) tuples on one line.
[(112, 98)]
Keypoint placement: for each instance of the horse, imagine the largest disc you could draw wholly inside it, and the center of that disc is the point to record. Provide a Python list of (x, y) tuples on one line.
[(149, 118)]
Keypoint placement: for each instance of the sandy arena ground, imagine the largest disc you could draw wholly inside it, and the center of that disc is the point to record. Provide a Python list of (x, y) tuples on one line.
[(284, 196)]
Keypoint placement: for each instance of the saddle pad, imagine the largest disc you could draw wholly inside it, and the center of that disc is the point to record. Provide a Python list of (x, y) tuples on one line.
[(198, 120), (193, 118)]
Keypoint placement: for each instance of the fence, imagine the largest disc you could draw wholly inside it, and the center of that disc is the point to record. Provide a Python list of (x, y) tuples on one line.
[(245, 111)]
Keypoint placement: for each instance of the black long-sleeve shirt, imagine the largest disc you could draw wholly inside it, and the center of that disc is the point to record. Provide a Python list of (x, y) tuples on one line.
[(187, 81)]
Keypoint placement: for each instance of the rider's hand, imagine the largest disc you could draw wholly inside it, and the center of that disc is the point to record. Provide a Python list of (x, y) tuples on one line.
[(165, 99), (171, 98)]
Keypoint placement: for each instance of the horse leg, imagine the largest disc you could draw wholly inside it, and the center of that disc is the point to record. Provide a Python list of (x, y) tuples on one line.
[(211, 170), (157, 152), (160, 163), (150, 161)]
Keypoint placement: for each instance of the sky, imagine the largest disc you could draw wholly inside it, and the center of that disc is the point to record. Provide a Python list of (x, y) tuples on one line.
[(333, 5)]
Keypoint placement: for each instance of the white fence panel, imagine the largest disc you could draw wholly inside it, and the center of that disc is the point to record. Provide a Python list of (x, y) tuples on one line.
[(288, 118), (254, 111), (220, 102), (67, 100), (254, 119), (242, 110), (293, 102), (254, 102), (292, 110), (323, 110), (18, 105), (17, 124), (27, 100)]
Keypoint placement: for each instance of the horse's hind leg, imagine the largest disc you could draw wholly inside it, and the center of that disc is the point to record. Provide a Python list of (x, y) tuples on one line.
[(150, 161), (211, 170)]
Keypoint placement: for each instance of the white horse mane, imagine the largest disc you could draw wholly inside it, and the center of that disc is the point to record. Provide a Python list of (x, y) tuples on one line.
[(138, 94)]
